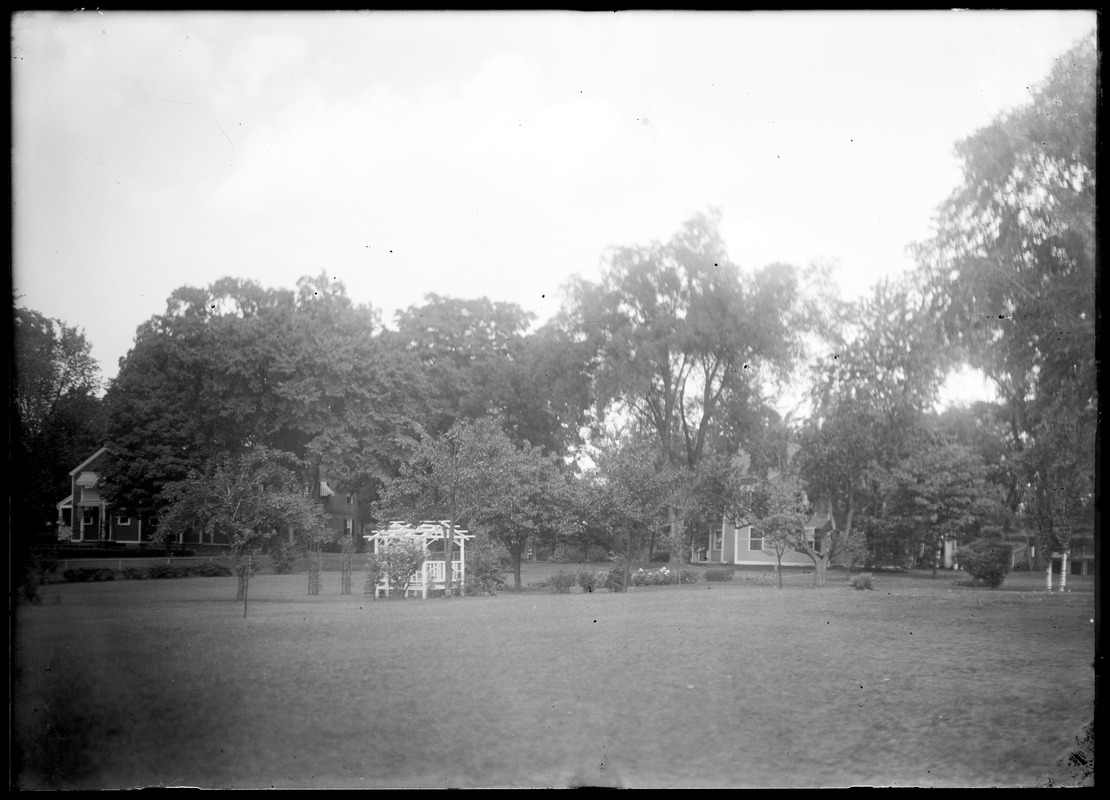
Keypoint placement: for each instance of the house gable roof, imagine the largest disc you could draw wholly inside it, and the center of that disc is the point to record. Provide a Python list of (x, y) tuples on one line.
[(80, 467)]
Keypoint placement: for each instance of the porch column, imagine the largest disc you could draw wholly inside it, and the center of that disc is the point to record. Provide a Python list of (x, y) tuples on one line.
[(1063, 571), (1048, 573)]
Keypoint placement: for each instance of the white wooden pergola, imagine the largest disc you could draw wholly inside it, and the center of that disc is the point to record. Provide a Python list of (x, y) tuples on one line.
[(432, 572)]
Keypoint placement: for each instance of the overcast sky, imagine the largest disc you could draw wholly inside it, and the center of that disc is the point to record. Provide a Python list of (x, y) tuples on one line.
[(482, 154)]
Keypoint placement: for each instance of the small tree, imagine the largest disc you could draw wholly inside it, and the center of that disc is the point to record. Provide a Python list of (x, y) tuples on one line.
[(249, 500), (777, 508)]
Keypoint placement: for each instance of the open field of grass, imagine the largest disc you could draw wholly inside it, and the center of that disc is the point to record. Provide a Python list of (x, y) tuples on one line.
[(738, 684)]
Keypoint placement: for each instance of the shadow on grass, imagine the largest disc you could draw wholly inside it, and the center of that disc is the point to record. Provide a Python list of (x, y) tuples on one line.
[(57, 736)]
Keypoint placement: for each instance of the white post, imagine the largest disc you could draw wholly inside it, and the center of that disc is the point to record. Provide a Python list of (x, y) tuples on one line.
[(1063, 571), (1048, 573), (462, 566)]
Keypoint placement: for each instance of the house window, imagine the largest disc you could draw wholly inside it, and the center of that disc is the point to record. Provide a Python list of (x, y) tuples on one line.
[(123, 519), (816, 544), (717, 534), (86, 517), (349, 527), (350, 499), (755, 539)]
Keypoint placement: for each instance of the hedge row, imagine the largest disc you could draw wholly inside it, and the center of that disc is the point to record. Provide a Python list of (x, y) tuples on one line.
[(205, 569)]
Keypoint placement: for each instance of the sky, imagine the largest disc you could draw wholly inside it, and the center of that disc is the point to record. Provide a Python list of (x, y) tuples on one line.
[(493, 154)]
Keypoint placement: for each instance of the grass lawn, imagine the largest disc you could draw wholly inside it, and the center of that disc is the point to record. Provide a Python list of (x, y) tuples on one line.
[(738, 684)]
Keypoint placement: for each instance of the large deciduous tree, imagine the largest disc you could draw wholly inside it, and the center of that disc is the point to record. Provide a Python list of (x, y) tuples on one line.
[(56, 415), (1014, 271), (680, 335), (872, 388), (464, 348), (235, 365), (941, 492)]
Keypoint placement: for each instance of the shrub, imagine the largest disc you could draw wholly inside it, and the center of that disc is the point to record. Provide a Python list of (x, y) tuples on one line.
[(660, 558), (588, 581), (718, 574), (375, 569), (283, 558), (987, 560), (211, 569), (132, 574), (168, 571), (613, 580), (487, 561), (402, 560), (662, 577), (861, 582), (83, 574), (560, 582)]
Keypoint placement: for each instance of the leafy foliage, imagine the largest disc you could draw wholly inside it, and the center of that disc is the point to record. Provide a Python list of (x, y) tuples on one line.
[(625, 496), (55, 417), (561, 582), (487, 561), (250, 500), (400, 561), (987, 559), (236, 365), (1013, 270), (861, 582), (680, 337)]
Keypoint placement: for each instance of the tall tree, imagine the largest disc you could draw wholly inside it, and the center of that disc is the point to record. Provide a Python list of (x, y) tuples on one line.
[(680, 335), (878, 379), (941, 492), (1014, 271), (464, 348), (234, 365), (56, 415)]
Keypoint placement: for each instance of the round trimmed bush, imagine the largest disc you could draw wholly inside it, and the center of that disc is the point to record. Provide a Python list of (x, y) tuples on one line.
[(986, 560)]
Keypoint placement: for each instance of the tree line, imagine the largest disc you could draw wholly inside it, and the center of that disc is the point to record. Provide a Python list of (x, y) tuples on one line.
[(643, 411)]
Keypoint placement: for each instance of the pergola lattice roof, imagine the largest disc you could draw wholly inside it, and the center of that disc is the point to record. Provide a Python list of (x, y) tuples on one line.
[(426, 531)]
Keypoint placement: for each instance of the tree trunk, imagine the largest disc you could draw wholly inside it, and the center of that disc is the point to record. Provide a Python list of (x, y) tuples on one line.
[(677, 526), (517, 553), (627, 577), (1048, 573), (820, 565), (246, 584), (778, 567)]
